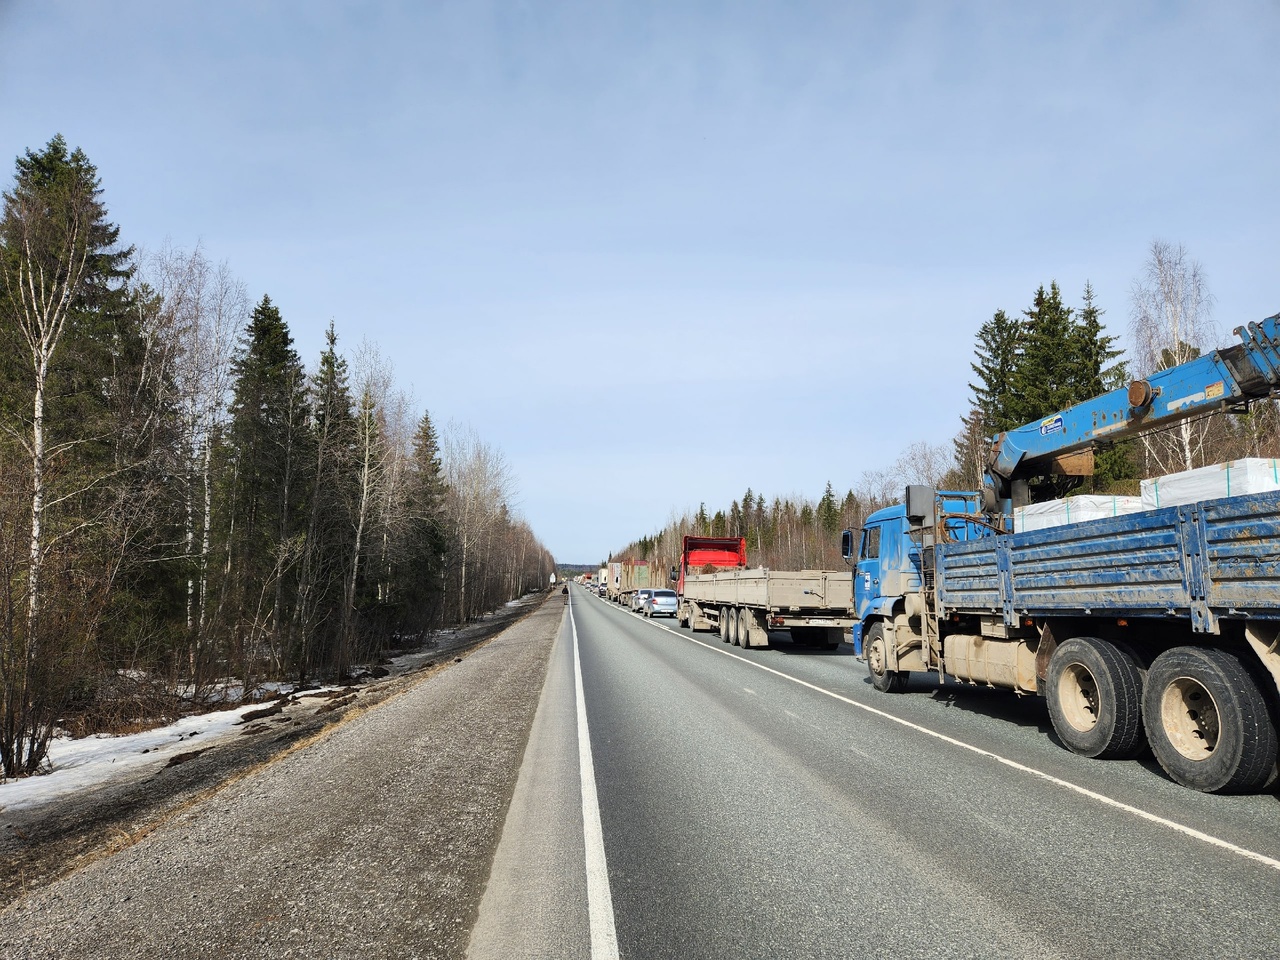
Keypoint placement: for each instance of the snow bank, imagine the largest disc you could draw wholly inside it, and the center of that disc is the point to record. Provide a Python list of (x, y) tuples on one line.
[(91, 761)]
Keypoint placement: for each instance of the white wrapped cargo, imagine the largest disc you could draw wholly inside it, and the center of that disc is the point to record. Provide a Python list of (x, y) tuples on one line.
[(1056, 513), (1231, 479)]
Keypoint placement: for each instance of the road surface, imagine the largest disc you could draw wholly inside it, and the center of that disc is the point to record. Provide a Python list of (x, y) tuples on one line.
[(593, 785), (769, 803)]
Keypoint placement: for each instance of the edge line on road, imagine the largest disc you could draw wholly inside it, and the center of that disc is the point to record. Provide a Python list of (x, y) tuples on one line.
[(604, 935), (1102, 798)]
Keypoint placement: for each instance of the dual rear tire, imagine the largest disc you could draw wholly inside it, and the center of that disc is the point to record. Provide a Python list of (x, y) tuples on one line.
[(1208, 722), (1205, 719)]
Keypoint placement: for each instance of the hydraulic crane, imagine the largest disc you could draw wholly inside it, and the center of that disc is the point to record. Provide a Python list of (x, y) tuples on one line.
[(1063, 444)]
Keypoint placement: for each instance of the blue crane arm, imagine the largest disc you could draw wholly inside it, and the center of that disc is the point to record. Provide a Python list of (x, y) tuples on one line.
[(1063, 443)]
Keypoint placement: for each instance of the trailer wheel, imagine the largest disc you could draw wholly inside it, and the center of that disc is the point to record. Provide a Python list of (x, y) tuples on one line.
[(876, 648), (1094, 691), (724, 624), (733, 626), (1208, 723)]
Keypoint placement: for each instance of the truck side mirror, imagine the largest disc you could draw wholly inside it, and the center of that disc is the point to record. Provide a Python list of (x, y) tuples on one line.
[(846, 544), (675, 575)]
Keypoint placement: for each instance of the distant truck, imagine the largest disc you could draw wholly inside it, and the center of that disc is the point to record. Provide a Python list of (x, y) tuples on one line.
[(634, 575), (613, 583), (718, 592)]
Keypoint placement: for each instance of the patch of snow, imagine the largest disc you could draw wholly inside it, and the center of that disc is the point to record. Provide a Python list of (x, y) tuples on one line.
[(91, 761)]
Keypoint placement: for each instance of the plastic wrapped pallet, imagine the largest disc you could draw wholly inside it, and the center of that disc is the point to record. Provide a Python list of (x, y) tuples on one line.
[(1230, 479), (1056, 513)]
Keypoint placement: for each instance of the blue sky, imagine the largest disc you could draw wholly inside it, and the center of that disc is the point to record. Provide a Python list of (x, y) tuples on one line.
[(745, 244)]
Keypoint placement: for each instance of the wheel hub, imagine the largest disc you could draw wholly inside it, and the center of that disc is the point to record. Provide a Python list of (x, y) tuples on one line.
[(1078, 697), (875, 657), (1190, 718)]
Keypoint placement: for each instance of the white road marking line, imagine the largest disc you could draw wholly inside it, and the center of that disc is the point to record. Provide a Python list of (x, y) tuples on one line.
[(750, 691), (1195, 834), (604, 935)]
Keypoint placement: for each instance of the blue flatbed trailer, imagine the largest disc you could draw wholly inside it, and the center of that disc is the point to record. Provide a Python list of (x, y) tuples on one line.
[(1204, 563)]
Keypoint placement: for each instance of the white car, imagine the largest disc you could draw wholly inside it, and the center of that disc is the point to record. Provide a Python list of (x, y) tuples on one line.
[(638, 598)]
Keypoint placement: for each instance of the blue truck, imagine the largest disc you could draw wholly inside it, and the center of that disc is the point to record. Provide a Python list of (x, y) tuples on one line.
[(1159, 628)]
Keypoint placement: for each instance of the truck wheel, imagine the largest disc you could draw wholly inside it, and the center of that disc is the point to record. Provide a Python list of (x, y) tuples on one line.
[(876, 647), (1208, 723), (733, 626), (724, 624), (1094, 691)]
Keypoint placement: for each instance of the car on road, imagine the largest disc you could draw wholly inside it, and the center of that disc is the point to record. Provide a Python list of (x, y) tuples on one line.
[(638, 598), (660, 603)]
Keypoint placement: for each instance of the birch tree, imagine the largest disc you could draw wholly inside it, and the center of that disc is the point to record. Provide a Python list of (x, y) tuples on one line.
[(202, 305), (61, 265), (479, 485), (1171, 323)]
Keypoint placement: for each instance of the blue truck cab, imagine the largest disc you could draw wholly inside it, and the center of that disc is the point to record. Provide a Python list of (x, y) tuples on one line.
[(888, 564)]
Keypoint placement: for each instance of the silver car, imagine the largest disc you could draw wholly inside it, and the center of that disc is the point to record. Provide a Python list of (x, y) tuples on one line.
[(637, 600), (660, 603)]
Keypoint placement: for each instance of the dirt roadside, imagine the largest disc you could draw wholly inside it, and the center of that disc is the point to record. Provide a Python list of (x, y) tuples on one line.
[(40, 845)]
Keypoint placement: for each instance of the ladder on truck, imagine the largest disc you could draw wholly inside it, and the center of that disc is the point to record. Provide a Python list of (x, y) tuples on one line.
[(931, 637)]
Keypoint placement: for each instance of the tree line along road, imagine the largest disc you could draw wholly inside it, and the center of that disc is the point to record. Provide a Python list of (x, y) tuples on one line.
[(722, 803)]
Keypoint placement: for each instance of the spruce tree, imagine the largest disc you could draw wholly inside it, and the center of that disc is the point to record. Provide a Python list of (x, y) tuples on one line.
[(268, 447), (829, 511), (1099, 371), (1046, 376), (425, 548), (997, 351), (318, 612)]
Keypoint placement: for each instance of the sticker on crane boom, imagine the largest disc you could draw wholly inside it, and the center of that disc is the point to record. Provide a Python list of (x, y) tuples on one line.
[(1052, 424), (1213, 391)]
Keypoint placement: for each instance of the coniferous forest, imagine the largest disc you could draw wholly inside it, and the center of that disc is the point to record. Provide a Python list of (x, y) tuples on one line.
[(189, 505)]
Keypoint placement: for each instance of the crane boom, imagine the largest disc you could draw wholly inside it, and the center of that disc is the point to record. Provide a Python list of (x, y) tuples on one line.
[(1063, 444)]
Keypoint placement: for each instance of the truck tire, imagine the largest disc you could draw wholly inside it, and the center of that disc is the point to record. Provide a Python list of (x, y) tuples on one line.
[(724, 624), (1094, 692), (733, 626), (886, 681), (1208, 723)]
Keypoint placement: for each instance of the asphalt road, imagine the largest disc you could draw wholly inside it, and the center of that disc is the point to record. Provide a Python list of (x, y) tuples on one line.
[(769, 803)]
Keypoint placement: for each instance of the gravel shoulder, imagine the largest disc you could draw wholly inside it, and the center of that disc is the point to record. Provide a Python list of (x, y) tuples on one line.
[(368, 837)]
